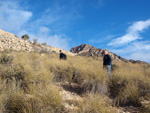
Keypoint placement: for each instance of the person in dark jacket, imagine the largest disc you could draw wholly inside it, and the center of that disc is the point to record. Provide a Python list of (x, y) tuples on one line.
[(62, 56), (107, 62)]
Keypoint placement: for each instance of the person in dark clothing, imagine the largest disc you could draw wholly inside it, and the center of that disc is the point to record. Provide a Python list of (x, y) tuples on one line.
[(62, 56), (107, 62)]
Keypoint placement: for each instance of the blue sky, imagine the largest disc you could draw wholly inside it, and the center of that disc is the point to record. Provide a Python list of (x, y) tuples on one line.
[(122, 26)]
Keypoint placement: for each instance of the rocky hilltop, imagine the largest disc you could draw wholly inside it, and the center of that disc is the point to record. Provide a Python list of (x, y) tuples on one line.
[(88, 50), (11, 41)]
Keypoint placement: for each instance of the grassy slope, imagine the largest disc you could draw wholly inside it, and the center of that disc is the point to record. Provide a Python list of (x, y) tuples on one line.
[(26, 83)]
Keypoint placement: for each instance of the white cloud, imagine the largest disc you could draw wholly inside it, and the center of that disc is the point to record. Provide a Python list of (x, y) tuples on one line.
[(124, 40), (60, 41), (133, 34), (139, 26), (142, 45), (129, 46), (12, 17), (139, 56), (137, 51), (44, 30)]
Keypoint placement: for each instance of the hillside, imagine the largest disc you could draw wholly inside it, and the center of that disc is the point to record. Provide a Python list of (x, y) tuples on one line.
[(88, 50), (11, 41), (35, 83)]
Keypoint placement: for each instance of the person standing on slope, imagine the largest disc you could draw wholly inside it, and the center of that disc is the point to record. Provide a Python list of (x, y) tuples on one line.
[(107, 62), (62, 55)]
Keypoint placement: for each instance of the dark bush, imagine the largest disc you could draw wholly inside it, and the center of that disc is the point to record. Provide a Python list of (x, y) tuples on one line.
[(19, 72), (6, 59), (25, 37), (144, 89), (77, 77), (93, 86), (114, 67), (116, 85), (123, 92), (129, 96), (62, 74)]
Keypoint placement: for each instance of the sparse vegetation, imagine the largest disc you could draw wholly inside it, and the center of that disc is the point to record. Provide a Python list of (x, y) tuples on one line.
[(6, 59), (25, 37), (44, 43), (26, 84), (44, 50)]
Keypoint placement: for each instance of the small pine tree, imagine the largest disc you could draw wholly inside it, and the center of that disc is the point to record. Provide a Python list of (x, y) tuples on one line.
[(25, 37)]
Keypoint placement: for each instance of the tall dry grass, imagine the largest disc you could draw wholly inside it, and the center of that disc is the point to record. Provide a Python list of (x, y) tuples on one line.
[(26, 84), (130, 84), (95, 104)]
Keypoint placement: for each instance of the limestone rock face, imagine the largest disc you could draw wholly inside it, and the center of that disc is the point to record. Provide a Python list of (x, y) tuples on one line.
[(10, 41), (88, 50)]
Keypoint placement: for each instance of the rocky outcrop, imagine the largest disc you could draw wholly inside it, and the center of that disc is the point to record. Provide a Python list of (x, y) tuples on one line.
[(10, 41), (88, 50)]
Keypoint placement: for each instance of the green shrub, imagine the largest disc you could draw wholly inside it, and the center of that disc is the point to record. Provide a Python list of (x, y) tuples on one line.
[(25, 37)]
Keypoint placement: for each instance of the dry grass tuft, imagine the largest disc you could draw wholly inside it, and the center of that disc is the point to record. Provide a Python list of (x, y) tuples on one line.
[(95, 104)]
